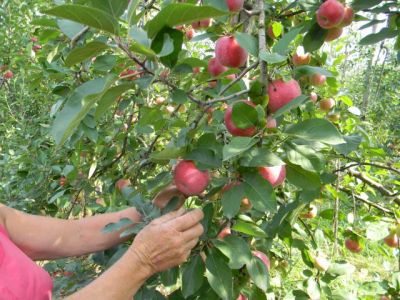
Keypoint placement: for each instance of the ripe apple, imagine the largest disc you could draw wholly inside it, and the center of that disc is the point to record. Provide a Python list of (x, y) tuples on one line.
[(8, 75), (281, 93), (392, 240), (224, 232), (352, 245), (271, 122), (384, 298), (326, 104), (333, 34), (317, 79), (263, 257), (334, 118), (311, 212), (330, 14), (122, 183), (229, 53), (34, 39), (242, 297), (235, 5), (215, 68), (348, 17), (320, 262), (189, 180), (180, 28), (231, 77), (275, 175), (196, 70), (63, 181), (36, 48), (313, 97), (189, 34), (301, 59), (235, 131), (160, 100), (270, 33)]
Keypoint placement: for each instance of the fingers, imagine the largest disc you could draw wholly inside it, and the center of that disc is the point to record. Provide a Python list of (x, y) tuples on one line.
[(193, 232), (191, 244), (169, 216), (188, 220)]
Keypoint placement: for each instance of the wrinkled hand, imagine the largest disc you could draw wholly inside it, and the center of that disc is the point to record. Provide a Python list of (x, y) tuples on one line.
[(163, 197), (167, 241)]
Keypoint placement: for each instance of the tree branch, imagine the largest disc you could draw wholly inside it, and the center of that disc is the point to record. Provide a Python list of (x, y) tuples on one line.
[(377, 165), (368, 202), (262, 43), (240, 76), (226, 98)]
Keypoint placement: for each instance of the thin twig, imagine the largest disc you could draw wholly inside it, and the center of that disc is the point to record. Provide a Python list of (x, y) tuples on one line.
[(77, 36), (226, 98), (240, 76)]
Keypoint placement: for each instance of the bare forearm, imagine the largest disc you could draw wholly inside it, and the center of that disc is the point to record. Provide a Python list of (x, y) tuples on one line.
[(120, 282)]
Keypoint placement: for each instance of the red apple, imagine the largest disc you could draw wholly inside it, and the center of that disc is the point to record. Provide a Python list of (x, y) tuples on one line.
[(275, 175), (348, 17), (122, 183), (302, 59), (281, 93), (224, 232), (352, 245), (196, 70), (36, 48), (311, 212), (189, 34), (392, 240), (63, 181), (330, 14), (313, 97), (318, 79), (229, 53), (8, 75), (34, 39), (333, 34), (180, 28), (263, 257), (189, 180), (215, 68), (250, 131), (201, 24), (271, 122), (235, 5), (242, 297), (327, 104)]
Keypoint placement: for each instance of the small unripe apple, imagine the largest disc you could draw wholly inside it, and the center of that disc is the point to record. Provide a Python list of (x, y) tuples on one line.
[(313, 97), (165, 73), (235, 131), (8, 75), (215, 68), (352, 245), (196, 70), (63, 181), (333, 34), (330, 14), (159, 100), (212, 84), (170, 109), (36, 48), (348, 17), (224, 232), (34, 39), (334, 118), (270, 33), (326, 104), (235, 5), (245, 205), (317, 79), (180, 27), (281, 93), (100, 201), (189, 34), (263, 257), (301, 59), (242, 297), (122, 183), (275, 175), (229, 53), (231, 77), (189, 180), (271, 122), (392, 240), (321, 263), (311, 212)]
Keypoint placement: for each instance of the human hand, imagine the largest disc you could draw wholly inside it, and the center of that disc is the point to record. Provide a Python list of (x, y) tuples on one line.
[(164, 196), (167, 241)]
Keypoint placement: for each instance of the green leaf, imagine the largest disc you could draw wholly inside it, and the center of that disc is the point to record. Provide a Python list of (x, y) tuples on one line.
[(259, 157), (231, 200), (192, 276), (319, 130), (69, 28), (181, 13), (249, 229), (89, 16), (248, 42), (363, 4), (168, 44), (272, 58), (205, 158), (258, 273), (289, 106), (140, 43), (305, 156), (236, 249), (179, 96), (110, 97), (113, 7), (237, 146), (219, 275), (352, 144), (341, 269), (384, 33), (78, 105), (314, 38), (131, 14), (282, 46), (260, 192), (244, 115), (167, 154), (112, 227), (302, 178), (309, 70), (80, 54)]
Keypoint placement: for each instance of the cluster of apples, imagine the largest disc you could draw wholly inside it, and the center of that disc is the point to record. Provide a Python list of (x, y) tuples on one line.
[(333, 16), (35, 47), (353, 244)]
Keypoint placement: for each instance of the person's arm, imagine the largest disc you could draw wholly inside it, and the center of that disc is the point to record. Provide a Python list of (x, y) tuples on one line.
[(49, 238), (164, 243)]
